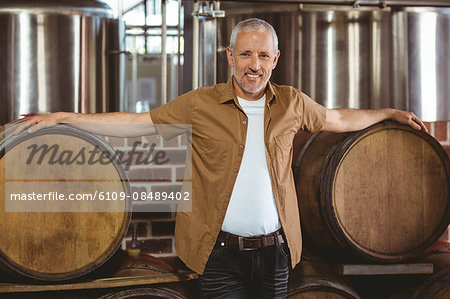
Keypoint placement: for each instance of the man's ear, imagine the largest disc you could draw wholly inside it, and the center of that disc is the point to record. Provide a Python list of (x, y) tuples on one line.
[(230, 57), (275, 60)]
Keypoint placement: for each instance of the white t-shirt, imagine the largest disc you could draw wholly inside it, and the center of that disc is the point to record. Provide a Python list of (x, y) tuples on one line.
[(252, 210)]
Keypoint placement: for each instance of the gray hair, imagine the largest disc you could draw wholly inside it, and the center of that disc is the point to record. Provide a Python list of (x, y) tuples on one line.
[(250, 25)]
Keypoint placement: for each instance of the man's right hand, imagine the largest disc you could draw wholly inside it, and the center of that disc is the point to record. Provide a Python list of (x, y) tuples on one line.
[(38, 122)]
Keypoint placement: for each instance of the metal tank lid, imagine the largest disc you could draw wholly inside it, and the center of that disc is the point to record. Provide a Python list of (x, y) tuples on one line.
[(82, 7)]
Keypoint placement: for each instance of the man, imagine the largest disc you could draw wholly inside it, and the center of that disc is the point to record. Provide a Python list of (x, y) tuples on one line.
[(244, 227)]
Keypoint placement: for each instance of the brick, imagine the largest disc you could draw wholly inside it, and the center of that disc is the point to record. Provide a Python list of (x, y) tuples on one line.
[(156, 139), (154, 245), (179, 174), (173, 142), (136, 193), (176, 157), (138, 189), (150, 175), (183, 139), (116, 141), (157, 202), (141, 230), (172, 188), (132, 140), (160, 157), (145, 157), (151, 156), (440, 131), (163, 228), (140, 155), (151, 216)]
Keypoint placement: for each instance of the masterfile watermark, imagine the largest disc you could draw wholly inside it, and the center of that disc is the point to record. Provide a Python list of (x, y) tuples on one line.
[(53, 195), (52, 154), (65, 169)]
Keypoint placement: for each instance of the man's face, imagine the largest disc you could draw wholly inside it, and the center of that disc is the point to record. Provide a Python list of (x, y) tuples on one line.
[(252, 59)]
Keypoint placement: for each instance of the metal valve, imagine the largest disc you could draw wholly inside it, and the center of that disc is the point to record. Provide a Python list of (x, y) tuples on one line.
[(209, 10)]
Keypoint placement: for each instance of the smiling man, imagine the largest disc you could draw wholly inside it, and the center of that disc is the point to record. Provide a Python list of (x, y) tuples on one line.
[(243, 233), (252, 59)]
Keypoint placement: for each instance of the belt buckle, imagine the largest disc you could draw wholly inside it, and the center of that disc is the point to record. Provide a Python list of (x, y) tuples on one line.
[(241, 244)]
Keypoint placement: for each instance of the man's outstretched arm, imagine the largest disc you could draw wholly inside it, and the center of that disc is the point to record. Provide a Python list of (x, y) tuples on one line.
[(345, 120), (114, 124)]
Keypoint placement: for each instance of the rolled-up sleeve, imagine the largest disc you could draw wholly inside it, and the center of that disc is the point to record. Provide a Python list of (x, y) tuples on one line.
[(314, 115), (175, 117)]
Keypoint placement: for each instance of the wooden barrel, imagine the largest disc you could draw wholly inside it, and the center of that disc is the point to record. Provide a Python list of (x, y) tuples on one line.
[(54, 238), (314, 279), (437, 285), (146, 293), (146, 265), (142, 265), (380, 194)]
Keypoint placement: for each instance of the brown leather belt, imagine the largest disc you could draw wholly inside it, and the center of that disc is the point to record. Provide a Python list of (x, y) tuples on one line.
[(250, 243)]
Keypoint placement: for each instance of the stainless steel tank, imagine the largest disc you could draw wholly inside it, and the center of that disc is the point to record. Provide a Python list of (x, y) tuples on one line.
[(356, 57), (59, 56), (429, 62)]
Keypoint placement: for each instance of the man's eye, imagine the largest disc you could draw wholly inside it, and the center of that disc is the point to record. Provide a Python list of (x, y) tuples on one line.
[(264, 55), (245, 54)]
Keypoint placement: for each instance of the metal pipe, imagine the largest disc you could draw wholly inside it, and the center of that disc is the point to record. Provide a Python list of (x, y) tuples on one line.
[(400, 56), (163, 53), (195, 40), (358, 3), (145, 23), (441, 3), (120, 8), (150, 34), (144, 27), (215, 7), (134, 74), (179, 48)]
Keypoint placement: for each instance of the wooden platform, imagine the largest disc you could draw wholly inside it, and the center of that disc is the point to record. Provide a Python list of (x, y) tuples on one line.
[(386, 269), (103, 283)]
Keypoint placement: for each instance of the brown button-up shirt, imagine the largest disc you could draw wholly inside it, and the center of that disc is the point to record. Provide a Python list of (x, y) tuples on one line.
[(219, 129)]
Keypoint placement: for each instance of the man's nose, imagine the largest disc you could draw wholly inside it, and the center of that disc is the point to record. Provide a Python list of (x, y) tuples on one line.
[(254, 64)]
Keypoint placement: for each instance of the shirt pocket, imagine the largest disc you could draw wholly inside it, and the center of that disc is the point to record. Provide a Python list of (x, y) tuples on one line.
[(213, 153), (282, 147)]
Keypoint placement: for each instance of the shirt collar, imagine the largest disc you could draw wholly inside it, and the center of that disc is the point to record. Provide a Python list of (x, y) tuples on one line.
[(228, 93)]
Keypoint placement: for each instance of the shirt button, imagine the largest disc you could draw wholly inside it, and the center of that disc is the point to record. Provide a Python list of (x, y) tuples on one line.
[(244, 122), (228, 194), (235, 170), (241, 146)]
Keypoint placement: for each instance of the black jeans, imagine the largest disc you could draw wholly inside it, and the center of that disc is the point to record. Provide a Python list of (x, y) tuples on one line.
[(259, 273)]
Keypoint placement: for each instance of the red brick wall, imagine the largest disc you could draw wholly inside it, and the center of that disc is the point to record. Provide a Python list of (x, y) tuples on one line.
[(441, 131), (155, 233), (155, 230)]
